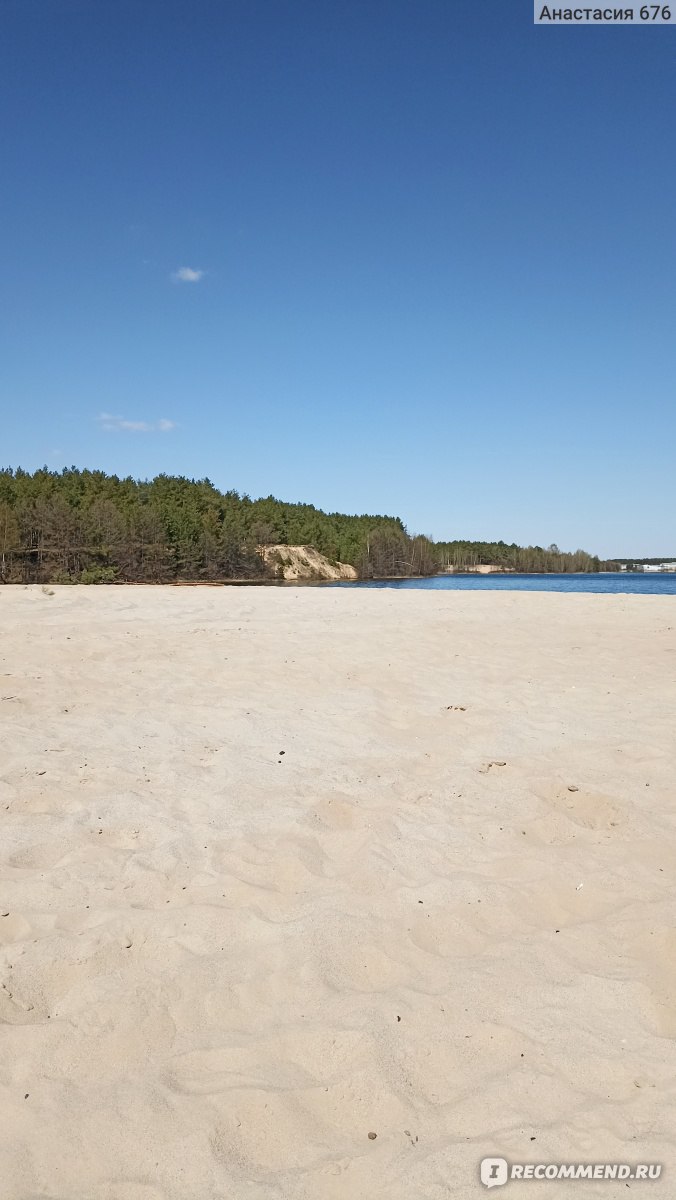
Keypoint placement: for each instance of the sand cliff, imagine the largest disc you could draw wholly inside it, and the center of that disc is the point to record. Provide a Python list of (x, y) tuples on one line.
[(305, 563)]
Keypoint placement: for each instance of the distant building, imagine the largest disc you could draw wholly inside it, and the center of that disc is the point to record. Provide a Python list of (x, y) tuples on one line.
[(670, 566)]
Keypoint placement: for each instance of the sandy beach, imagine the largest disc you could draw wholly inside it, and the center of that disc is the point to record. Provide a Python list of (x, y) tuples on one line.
[(283, 869)]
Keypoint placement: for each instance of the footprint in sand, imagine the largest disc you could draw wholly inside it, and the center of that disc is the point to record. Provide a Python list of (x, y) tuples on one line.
[(587, 809)]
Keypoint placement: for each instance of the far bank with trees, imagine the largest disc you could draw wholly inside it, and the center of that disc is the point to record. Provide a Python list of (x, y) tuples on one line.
[(81, 526)]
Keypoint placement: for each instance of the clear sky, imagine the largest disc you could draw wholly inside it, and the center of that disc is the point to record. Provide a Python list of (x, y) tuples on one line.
[(403, 256)]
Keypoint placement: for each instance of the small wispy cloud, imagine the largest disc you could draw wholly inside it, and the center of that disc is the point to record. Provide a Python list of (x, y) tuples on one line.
[(120, 424), (187, 275)]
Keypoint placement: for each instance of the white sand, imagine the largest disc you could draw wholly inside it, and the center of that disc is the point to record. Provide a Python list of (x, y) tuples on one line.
[(223, 967)]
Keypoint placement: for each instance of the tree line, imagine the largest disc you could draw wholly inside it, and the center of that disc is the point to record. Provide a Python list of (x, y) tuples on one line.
[(461, 555), (89, 527)]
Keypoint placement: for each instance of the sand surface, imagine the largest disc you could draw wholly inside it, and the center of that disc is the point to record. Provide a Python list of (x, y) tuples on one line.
[(444, 914)]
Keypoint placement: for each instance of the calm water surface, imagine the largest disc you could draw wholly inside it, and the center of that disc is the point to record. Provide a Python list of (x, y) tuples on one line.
[(621, 581)]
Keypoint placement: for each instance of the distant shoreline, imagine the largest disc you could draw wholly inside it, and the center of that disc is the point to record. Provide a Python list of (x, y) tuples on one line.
[(286, 583)]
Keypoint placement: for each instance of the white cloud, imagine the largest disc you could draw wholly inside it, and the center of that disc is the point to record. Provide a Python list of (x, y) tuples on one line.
[(187, 275), (119, 424)]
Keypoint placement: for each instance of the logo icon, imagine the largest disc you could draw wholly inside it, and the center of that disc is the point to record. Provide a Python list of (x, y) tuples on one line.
[(494, 1172)]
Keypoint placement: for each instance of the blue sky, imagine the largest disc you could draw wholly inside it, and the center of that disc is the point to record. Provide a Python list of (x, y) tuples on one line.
[(407, 257)]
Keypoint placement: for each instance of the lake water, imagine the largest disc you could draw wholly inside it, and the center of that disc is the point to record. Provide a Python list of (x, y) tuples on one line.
[(615, 582)]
